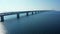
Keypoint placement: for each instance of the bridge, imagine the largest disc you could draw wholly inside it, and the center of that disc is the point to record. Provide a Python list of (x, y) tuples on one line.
[(17, 13)]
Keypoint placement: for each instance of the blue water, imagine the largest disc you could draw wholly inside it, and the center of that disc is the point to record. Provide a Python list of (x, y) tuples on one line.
[(42, 23)]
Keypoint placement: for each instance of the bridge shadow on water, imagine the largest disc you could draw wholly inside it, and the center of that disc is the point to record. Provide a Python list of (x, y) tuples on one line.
[(42, 23)]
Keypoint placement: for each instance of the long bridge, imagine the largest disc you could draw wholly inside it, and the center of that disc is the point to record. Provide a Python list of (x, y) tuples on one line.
[(17, 13)]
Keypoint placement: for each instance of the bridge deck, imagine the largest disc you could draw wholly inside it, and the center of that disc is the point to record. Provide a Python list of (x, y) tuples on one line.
[(11, 13)]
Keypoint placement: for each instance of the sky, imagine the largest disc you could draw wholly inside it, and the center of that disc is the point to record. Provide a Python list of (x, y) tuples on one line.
[(22, 5)]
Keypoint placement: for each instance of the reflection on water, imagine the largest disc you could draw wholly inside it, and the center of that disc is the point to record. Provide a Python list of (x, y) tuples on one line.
[(42, 23)]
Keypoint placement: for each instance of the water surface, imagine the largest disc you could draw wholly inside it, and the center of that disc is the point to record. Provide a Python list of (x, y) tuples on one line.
[(42, 23)]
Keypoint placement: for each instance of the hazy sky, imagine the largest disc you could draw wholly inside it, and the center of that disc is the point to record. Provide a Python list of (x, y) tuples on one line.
[(16, 5)]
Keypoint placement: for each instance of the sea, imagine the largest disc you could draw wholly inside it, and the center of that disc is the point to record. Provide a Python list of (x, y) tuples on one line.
[(40, 23)]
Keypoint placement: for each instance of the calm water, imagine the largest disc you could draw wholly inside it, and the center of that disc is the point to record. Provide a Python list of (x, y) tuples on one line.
[(42, 23)]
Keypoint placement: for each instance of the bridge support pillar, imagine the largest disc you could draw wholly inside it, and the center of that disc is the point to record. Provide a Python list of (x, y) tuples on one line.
[(35, 12), (38, 11), (18, 16), (32, 13), (27, 14), (2, 18)]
